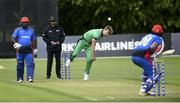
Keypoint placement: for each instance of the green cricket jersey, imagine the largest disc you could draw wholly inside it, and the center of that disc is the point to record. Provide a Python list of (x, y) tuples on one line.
[(94, 33), (84, 43)]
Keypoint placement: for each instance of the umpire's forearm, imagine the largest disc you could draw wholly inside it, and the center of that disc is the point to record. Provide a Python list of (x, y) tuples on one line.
[(47, 41)]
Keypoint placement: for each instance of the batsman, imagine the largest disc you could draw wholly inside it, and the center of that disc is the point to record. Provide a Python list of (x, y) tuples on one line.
[(24, 39), (88, 42), (150, 47)]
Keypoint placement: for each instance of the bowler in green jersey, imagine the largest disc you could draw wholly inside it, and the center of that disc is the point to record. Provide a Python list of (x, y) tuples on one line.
[(88, 42)]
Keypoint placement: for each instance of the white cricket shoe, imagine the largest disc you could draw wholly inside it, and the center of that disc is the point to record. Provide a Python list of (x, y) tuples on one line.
[(20, 81), (67, 63), (30, 80), (86, 76)]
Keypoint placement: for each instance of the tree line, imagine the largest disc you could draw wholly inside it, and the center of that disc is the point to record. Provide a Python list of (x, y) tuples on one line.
[(127, 16)]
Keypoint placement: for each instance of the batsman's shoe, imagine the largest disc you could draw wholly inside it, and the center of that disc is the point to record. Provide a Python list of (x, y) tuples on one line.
[(67, 63), (142, 93), (86, 76), (150, 94), (30, 80)]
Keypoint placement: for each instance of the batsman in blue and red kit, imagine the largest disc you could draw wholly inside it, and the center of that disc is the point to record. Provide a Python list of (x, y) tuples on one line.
[(24, 42), (142, 57)]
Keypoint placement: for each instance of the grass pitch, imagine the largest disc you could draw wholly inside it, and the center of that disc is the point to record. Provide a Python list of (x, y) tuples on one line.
[(111, 80)]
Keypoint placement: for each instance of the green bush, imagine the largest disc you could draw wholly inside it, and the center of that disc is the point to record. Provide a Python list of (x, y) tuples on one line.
[(128, 16)]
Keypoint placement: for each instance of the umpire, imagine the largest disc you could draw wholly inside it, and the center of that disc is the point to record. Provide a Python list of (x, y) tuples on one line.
[(54, 36)]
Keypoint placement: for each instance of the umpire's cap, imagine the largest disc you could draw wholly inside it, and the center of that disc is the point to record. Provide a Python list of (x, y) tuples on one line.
[(52, 19)]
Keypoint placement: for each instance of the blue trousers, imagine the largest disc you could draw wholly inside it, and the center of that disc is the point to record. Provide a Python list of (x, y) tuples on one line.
[(145, 64), (29, 60)]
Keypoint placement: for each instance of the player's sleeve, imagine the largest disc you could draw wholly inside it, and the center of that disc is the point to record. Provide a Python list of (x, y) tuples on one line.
[(15, 34), (62, 36), (95, 36), (159, 49), (33, 36), (158, 41), (45, 38)]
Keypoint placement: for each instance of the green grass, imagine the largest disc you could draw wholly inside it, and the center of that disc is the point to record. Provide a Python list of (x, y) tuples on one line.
[(112, 79)]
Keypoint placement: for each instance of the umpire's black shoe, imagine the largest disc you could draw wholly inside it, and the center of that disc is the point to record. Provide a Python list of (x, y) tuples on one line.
[(47, 77)]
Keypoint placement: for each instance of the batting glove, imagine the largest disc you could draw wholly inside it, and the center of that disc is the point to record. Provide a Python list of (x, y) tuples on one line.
[(17, 46), (35, 51)]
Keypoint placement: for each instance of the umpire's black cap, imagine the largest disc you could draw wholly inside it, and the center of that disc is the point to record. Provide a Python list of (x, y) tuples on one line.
[(52, 19)]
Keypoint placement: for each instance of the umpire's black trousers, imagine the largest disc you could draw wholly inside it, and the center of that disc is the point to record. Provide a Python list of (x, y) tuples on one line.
[(50, 55)]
